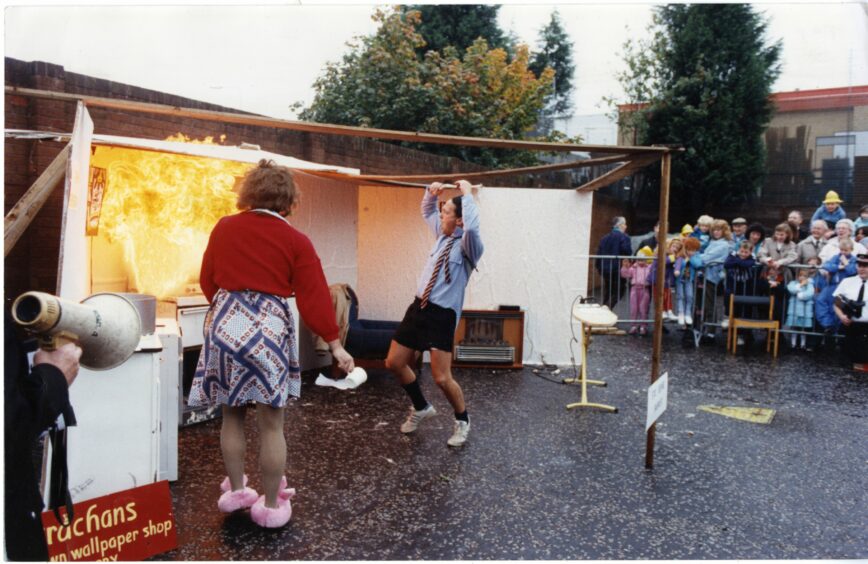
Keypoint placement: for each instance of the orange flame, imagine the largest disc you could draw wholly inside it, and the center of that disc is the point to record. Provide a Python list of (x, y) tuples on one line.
[(161, 208)]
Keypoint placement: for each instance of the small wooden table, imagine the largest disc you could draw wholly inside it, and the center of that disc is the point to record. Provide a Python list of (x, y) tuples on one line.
[(591, 317)]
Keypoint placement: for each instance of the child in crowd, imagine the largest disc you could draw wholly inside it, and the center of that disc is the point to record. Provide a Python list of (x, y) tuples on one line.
[(771, 283), (686, 231), (685, 273), (834, 270), (673, 247), (740, 279), (702, 231), (800, 309), (861, 233), (778, 250), (862, 220), (638, 274), (819, 282), (830, 210)]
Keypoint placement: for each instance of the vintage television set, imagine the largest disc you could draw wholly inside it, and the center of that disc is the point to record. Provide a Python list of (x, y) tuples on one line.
[(489, 339)]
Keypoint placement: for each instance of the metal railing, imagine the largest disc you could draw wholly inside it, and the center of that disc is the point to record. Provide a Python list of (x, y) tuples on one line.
[(710, 306)]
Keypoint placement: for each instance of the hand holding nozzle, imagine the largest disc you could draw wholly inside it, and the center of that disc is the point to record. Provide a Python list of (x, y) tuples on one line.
[(65, 358)]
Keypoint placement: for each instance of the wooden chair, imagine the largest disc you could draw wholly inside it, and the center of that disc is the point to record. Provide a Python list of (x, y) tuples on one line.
[(736, 323)]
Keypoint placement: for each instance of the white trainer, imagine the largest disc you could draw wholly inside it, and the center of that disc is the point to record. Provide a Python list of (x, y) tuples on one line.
[(681, 320), (459, 435), (416, 417), (688, 320)]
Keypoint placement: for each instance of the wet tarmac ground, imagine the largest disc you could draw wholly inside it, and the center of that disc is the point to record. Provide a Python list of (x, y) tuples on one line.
[(536, 481)]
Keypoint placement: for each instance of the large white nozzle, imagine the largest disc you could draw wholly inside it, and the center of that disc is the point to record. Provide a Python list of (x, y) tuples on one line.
[(106, 326)]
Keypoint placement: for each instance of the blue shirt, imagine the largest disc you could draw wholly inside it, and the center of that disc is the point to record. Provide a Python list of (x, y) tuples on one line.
[(463, 257), (829, 218)]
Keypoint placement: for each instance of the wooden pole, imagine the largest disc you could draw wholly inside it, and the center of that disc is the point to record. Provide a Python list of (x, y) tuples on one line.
[(23, 212), (659, 288), (325, 128)]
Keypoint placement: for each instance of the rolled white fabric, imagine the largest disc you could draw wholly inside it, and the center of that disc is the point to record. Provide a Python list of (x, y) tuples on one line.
[(354, 379)]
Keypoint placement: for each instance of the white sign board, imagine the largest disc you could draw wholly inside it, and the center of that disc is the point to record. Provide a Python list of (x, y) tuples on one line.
[(657, 393)]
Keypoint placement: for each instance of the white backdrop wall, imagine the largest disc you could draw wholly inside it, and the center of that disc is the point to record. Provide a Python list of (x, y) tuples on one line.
[(328, 215), (533, 239)]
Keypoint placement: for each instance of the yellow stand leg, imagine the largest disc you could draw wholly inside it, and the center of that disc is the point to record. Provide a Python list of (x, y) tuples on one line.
[(584, 380)]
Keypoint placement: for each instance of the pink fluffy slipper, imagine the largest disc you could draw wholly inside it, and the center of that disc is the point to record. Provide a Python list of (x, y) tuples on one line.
[(233, 501), (273, 518)]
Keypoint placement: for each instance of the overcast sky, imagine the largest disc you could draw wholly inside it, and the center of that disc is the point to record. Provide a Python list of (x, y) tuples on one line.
[(264, 58)]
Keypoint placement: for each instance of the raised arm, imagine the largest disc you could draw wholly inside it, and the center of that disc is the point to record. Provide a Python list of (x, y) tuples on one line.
[(471, 241), (430, 213)]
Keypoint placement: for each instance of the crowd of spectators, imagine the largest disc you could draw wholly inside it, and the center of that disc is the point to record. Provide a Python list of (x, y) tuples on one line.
[(803, 265)]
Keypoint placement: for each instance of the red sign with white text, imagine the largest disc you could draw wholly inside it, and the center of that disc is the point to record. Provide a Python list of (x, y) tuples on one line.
[(129, 525)]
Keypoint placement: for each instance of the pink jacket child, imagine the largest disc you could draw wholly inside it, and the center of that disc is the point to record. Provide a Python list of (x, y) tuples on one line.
[(640, 290)]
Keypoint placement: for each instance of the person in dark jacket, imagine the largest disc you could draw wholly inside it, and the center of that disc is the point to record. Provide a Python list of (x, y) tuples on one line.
[(33, 398), (615, 244)]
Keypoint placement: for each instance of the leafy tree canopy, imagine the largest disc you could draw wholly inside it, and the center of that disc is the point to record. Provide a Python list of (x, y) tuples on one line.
[(382, 82), (704, 78)]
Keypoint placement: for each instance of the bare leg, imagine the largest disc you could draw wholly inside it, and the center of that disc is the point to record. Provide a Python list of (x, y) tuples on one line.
[(441, 371), (399, 360), (272, 450), (233, 444)]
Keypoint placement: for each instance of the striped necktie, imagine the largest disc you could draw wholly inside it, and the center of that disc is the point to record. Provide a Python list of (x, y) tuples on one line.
[(443, 258)]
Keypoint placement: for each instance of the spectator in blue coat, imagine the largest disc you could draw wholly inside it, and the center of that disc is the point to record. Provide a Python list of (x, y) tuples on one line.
[(615, 244), (830, 211), (840, 266)]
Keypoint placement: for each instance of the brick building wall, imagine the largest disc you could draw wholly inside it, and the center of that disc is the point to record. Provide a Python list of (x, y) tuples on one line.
[(32, 264)]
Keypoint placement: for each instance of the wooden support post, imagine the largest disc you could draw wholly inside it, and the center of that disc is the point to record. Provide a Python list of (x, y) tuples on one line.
[(659, 288), (23, 212)]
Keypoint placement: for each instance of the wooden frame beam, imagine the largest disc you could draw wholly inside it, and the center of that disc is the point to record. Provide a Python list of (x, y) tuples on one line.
[(327, 129), (411, 180), (26, 208), (616, 174)]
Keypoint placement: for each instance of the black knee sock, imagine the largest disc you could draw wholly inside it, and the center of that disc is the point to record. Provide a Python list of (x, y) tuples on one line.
[(415, 392), (462, 416)]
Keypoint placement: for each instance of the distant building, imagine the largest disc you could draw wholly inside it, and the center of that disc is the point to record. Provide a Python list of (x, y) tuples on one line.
[(817, 141)]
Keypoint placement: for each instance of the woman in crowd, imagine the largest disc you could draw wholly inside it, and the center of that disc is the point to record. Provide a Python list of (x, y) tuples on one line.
[(843, 231), (756, 233), (255, 260), (778, 250), (712, 261)]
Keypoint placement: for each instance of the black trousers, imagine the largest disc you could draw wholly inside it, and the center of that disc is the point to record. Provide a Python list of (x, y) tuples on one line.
[(856, 342)]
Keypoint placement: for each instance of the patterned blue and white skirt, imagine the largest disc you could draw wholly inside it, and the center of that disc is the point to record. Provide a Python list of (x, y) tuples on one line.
[(250, 354)]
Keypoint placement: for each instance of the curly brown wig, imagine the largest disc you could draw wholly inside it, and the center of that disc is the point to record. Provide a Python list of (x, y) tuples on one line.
[(268, 186)]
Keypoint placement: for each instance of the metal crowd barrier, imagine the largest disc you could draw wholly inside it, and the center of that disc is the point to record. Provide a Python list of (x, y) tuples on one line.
[(710, 304)]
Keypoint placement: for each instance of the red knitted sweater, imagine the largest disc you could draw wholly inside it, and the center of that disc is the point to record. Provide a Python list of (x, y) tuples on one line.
[(253, 251)]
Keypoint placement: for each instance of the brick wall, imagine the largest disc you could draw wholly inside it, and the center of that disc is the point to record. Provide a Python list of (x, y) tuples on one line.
[(32, 264)]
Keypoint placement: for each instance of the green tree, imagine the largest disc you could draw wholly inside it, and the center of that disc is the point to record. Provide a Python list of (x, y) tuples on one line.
[(458, 25), (555, 50), (706, 76), (382, 82)]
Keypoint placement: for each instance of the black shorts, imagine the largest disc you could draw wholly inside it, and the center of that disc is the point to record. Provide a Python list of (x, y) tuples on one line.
[(426, 329)]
